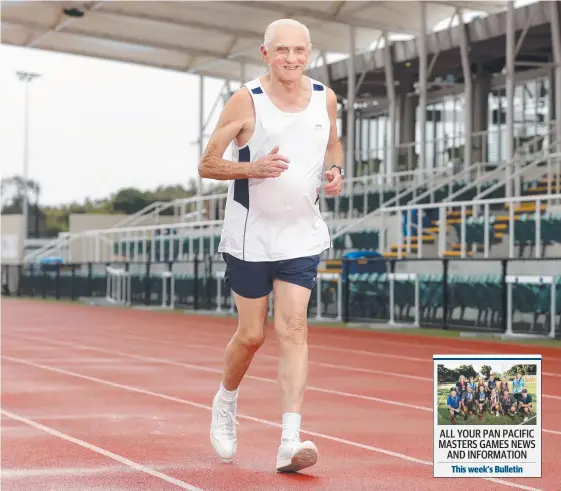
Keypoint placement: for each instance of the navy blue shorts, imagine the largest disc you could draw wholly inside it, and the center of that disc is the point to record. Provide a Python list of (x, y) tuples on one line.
[(255, 279)]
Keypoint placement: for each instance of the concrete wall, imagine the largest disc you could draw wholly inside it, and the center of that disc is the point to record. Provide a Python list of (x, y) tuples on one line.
[(12, 229), (84, 248)]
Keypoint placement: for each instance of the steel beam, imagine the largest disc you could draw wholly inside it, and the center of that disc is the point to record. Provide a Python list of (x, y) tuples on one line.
[(423, 88), (510, 34), (468, 92), (351, 89), (390, 89), (556, 47)]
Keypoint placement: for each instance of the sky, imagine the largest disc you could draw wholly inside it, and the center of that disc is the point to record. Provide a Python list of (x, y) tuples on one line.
[(96, 126)]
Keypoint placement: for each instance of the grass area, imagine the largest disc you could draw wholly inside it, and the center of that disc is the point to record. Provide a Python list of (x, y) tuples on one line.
[(428, 332), (488, 419)]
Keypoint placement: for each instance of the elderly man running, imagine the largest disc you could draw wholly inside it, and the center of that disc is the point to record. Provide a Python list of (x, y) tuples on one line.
[(284, 134)]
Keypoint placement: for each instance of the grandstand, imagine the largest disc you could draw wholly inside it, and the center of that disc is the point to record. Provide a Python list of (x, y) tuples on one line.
[(453, 156)]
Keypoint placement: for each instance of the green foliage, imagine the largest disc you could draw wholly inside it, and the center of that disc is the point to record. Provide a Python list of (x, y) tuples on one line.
[(523, 369), (486, 370)]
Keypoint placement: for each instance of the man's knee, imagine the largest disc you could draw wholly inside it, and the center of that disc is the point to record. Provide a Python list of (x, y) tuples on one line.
[(251, 339), (251, 332), (292, 328)]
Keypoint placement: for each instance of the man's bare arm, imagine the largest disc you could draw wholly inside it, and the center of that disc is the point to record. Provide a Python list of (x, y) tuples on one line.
[(235, 115), (334, 152), (231, 122)]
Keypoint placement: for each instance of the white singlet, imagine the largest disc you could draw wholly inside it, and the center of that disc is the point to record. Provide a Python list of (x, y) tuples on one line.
[(279, 218)]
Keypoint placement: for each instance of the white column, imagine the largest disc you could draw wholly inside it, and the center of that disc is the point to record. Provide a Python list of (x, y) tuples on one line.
[(556, 46), (509, 95), (423, 87), (390, 165), (350, 139), (468, 92)]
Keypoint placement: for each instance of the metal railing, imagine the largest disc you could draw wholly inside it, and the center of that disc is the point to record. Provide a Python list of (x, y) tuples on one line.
[(504, 223), (498, 296)]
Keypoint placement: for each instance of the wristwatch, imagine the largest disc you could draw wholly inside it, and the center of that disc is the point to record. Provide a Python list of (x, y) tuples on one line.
[(341, 170)]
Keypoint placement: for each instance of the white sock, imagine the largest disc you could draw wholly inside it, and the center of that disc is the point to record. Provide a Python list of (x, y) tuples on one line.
[(227, 395), (290, 426)]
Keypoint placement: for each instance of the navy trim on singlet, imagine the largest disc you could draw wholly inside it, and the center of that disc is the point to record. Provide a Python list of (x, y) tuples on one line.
[(318, 87), (241, 186), (257, 90)]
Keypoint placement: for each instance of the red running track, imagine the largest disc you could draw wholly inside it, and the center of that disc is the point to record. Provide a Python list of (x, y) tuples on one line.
[(112, 399)]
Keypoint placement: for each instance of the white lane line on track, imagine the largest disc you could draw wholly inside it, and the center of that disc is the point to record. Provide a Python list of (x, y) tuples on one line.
[(101, 451), (75, 471), (165, 361), (249, 418), (324, 347), (253, 377)]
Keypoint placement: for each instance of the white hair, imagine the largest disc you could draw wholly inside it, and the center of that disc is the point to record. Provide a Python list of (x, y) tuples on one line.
[(272, 29)]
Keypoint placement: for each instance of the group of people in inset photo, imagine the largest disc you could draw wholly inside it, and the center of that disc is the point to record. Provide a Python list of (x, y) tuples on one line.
[(504, 401)]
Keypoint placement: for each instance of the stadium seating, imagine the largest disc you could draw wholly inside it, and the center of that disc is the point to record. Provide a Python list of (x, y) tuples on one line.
[(472, 299)]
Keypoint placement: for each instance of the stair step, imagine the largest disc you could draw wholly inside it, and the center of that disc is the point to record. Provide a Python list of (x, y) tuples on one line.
[(458, 247), (456, 253), (458, 213), (525, 207), (542, 189), (413, 247), (393, 254), (505, 218), (500, 226), (424, 239)]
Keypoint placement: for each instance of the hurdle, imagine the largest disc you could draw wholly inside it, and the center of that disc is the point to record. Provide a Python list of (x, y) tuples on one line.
[(329, 277), (530, 280), (404, 277), (118, 287), (165, 276)]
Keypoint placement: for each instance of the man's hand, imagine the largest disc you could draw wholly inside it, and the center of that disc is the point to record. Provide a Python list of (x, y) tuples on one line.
[(271, 165), (334, 184)]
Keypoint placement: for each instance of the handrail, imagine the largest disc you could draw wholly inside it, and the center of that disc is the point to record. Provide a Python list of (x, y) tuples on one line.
[(520, 171), (470, 203), (499, 170), (386, 205), (139, 213), (148, 228), (438, 186)]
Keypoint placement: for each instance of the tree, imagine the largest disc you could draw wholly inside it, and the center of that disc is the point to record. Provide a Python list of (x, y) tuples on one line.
[(13, 190), (523, 369), (467, 371), (130, 200), (447, 375), (486, 370)]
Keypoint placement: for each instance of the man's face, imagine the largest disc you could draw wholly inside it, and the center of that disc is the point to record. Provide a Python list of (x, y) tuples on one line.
[(288, 53)]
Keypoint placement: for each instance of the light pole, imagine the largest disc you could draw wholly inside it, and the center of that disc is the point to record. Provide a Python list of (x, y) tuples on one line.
[(26, 78)]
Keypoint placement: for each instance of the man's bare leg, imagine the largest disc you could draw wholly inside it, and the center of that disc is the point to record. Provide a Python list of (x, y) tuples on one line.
[(245, 342), (291, 326), (248, 338)]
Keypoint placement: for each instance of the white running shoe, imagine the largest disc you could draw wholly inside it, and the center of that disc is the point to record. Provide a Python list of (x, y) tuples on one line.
[(223, 427), (293, 456)]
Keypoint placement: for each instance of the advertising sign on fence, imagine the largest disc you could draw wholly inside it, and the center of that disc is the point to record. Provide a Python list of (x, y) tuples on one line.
[(487, 416)]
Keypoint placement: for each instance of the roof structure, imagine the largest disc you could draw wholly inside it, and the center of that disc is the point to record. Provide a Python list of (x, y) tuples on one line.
[(212, 38)]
